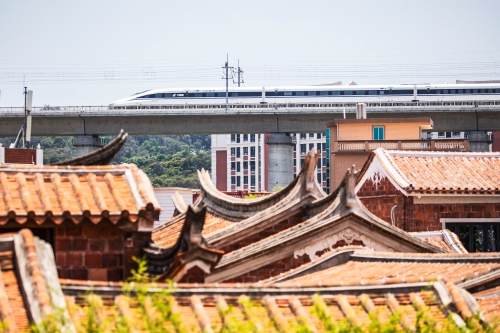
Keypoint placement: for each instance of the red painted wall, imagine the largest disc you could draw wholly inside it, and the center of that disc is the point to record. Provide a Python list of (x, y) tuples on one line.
[(221, 170)]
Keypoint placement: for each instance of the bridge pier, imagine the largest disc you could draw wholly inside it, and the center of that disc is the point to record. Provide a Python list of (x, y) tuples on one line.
[(479, 141), (87, 143), (280, 160)]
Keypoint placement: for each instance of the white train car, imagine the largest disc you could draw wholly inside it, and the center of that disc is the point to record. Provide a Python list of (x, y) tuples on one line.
[(157, 98)]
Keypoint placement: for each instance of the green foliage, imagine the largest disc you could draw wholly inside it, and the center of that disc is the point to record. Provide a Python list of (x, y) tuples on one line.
[(139, 275), (169, 161)]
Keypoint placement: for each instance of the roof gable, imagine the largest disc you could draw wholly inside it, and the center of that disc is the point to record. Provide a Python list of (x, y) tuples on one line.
[(434, 173)]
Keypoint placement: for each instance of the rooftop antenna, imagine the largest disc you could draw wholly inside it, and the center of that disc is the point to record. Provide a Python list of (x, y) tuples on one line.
[(226, 76)]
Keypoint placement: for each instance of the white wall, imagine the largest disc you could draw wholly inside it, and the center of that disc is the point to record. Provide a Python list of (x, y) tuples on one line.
[(164, 196)]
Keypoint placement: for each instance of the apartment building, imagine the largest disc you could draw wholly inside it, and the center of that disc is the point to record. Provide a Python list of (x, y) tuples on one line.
[(240, 161)]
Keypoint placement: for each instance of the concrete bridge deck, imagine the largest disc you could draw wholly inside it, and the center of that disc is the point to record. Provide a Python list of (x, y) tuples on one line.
[(255, 118)]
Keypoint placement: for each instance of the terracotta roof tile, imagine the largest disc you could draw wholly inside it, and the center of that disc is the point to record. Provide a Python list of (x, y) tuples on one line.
[(56, 193), (441, 172), (374, 268), (225, 308), (166, 235), (444, 239)]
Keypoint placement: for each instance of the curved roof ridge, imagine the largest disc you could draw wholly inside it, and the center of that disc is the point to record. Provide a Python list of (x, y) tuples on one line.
[(214, 198)]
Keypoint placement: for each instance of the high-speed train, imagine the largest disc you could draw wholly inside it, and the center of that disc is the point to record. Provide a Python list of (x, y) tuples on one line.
[(157, 98)]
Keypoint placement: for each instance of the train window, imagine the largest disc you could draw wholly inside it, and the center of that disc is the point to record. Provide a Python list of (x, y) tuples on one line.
[(490, 91), (460, 91), (474, 91), (323, 93), (438, 91), (210, 94), (497, 90), (483, 91), (347, 92), (198, 94), (453, 91), (445, 91), (234, 94), (299, 93), (335, 92), (311, 93), (287, 93), (467, 91), (381, 92), (221, 94), (372, 92)]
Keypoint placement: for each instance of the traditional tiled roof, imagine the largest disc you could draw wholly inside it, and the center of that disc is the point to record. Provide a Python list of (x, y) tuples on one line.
[(436, 172), (229, 218), (230, 308), (29, 288), (489, 301), (190, 250), (338, 218), (32, 194), (101, 156), (444, 239), (374, 268)]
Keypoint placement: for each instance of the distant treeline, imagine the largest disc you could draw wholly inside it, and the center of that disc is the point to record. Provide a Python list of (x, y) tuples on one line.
[(169, 161)]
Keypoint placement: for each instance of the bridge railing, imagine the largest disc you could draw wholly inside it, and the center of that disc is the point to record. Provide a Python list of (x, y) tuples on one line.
[(247, 107), (422, 145)]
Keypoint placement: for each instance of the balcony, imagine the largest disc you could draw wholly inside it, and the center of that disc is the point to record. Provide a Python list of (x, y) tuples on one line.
[(420, 145)]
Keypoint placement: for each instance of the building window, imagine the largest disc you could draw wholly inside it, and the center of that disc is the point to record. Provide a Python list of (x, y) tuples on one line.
[(237, 138), (294, 162), (303, 148), (252, 151), (233, 151), (233, 137), (311, 146), (311, 135), (252, 180), (318, 176), (319, 163), (238, 152), (238, 166), (477, 237), (302, 160), (294, 147), (233, 180), (245, 180), (233, 165), (238, 181), (259, 149), (245, 137), (252, 165), (245, 151), (378, 133), (456, 134), (252, 137), (245, 165), (303, 136), (318, 135), (323, 145), (318, 147), (441, 134)]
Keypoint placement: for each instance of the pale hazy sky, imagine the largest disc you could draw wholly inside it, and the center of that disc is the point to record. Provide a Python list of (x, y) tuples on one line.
[(94, 52)]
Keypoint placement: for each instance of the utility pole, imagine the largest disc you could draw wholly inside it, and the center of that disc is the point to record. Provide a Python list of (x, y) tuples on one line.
[(226, 69)]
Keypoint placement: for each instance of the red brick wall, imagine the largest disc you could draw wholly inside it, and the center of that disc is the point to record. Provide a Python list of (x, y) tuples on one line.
[(96, 253), (20, 156), (496, 141), (253, 238), (380, 199), (426, 217), (221, 170), (280, 266)]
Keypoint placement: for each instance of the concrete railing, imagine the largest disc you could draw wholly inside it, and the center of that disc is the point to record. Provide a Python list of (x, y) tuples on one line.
[(429, 145), (236, 108)]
